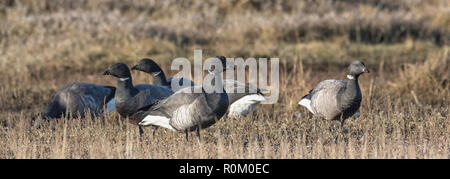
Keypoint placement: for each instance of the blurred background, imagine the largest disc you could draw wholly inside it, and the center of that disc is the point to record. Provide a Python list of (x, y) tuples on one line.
[(86, 34), (44, 41)]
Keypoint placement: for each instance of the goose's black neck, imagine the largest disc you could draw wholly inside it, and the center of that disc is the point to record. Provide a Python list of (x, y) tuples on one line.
[(160, 79), (54, 110), (125, 89), (217, 99), (351, 93), (218, 84), (352, 86)]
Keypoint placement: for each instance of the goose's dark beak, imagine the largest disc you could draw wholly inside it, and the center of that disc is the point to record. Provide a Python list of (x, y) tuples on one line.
[(107, 72), (366, 70), (134, 67)]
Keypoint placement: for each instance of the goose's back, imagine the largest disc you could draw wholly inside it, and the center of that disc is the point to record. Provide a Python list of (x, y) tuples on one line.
[(147, 95), (324, 98), (190, 116), (80, 98)]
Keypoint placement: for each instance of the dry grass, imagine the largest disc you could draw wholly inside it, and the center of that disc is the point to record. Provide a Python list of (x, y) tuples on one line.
[(404, 114)]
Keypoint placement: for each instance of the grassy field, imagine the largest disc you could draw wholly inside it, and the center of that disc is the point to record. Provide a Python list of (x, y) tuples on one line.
[(405, 109)]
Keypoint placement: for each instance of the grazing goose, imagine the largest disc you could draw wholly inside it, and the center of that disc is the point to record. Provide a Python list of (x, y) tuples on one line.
[(79, 98), (129, 98), (186, 110), (336, 99), (241, 103), (159, 78)]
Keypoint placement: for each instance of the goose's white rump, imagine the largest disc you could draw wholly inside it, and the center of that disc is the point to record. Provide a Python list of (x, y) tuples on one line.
[(156, 121), (307, 103), (245, 105)]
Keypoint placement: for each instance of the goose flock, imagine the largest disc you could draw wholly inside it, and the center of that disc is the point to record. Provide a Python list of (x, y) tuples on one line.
[(182, 110)]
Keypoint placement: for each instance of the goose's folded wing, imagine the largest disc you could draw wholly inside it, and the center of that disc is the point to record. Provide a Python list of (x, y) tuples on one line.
[(321, 93), (165, 107), (191, 115), (328, 85)]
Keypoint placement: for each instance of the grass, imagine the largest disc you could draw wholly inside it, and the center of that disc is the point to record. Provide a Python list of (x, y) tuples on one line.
[(404, 114)]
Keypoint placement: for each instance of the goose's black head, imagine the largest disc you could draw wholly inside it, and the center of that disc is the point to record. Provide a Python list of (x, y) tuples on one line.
[(147, 65), (222, 61), (118, 70), (357, 68)]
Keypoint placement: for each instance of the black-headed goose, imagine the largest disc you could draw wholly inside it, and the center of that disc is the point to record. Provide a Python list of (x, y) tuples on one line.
[(336, 99), (128, 98), (190, 108), (159, 78), (243, 97)]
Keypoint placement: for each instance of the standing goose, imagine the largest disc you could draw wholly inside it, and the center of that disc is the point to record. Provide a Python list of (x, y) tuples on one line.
[(79, 98), (336, 99), (241, 103), (129, 98), (187, 110), (159, 78)]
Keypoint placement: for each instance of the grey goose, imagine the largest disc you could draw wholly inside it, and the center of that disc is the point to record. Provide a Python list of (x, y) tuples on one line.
[(159, 78), (336, 99), (79, 98), (187, 110), (241, 103), (128, 98)]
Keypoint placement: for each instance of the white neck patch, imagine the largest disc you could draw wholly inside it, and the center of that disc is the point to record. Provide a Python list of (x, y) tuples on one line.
[(351, 77), (157, 73), (124, 79)]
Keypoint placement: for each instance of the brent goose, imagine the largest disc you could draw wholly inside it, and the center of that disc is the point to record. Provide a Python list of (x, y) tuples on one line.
[(159, 78), (186, 110), (336, 99), (78, 99), (241, 103), (128, 98)]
